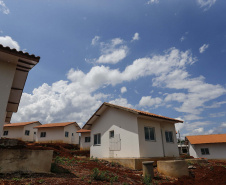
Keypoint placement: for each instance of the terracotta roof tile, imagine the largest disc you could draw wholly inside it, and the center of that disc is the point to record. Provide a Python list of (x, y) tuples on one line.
[(56, 125), (19, 53), (204, 139), (83, 131), (20, 124)]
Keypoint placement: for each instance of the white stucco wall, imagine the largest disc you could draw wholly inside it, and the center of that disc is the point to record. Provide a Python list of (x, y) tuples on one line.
[(57, 135), (123, 123), (19, 132), (216, 150), (150, 148), (170, 149), (7, 71), (85, 145), (71, 139)]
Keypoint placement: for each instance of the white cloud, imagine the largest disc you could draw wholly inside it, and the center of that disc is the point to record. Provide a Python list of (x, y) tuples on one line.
[(153, 2), (113, 52), (78, 97), (223, 124), (95, 40), (123, 90), (203, 48), (218, 114), (136, 37), (122, 102), (206, 4), (8, 41), (149, 101), (3, 8), (182, 38)]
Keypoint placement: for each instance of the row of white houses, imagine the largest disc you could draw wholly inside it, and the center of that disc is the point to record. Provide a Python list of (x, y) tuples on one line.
[(47, 133)]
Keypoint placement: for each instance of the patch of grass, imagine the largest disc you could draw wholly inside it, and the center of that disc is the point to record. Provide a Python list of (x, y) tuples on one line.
[(16, 179), (58, 169), (147, 180), (41, 181), (103, 176), (64, 160)]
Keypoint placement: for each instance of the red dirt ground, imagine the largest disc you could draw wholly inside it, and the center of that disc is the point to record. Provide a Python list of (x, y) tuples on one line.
[(70, 169)]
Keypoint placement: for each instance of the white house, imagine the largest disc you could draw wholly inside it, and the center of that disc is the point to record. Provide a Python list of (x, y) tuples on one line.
[(85, 139), (14, 68), (24, 131), (207, 146), (121, 132), (58, 133)]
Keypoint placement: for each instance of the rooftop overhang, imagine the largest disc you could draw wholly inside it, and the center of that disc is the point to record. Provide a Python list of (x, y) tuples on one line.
[(24, 63)]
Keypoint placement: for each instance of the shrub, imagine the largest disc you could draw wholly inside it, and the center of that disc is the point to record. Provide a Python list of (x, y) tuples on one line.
[(147, 180)]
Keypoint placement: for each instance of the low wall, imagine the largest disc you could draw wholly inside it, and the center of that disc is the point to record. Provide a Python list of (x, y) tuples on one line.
[(35, 161), (173, 168), (136, 163)]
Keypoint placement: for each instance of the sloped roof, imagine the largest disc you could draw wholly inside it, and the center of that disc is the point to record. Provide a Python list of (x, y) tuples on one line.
[(83, 131), (134, 111), (49, 125), (20, 124), (205, 139), (24, 63)]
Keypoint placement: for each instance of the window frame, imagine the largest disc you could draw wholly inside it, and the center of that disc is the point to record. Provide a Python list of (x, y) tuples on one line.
[(66, 134), (205, 151), (167, 132), (43, 134), (149, 138), (97, 138), (87, 138), (5, 133), (110, 132), (27, 132)]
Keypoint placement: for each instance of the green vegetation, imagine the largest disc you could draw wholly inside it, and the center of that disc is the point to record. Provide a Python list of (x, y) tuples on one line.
[(147, 180), (103, 176), (57, 169), (41, 181)]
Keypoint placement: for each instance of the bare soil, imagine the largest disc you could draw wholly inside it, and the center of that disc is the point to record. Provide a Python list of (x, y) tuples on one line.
[(72, 166)]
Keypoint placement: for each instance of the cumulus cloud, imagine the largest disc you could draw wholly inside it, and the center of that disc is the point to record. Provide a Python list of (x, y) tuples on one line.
[(206, 4), (79, 96), (3, 8), (123, 90), (153, 2), (8, 41), (203, 48), (95, 40), (112, 52), (136, 37), (149, 101)]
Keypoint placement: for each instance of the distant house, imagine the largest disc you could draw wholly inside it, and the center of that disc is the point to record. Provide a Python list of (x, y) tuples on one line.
[(24, 131), (207, 146), (58, 133), (121, 132), (14, 68), (85, 139)]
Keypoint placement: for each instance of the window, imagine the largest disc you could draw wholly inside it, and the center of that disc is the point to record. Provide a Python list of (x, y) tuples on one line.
[(169, 136), (43, 134), (34, 132), (87, 139), (66, 134), (97, 139), (5, 133), (27, 132), (149, 133), (72, 134), (111, 134), (205, 151)]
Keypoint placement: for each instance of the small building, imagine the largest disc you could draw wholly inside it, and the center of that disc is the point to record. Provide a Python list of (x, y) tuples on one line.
[(24, 131), (85, 139), (207, 146), (183, 149), (58, 133), (121, 132), (14, 68)]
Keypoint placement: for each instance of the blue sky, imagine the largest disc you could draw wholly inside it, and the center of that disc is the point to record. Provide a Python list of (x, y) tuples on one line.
[(165, 57)]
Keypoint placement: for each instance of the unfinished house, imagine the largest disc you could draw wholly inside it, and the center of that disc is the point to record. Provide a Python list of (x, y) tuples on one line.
[(121, 132), (24, 131), (58, 133), (85, 139), (14, 68), (207, 146)]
